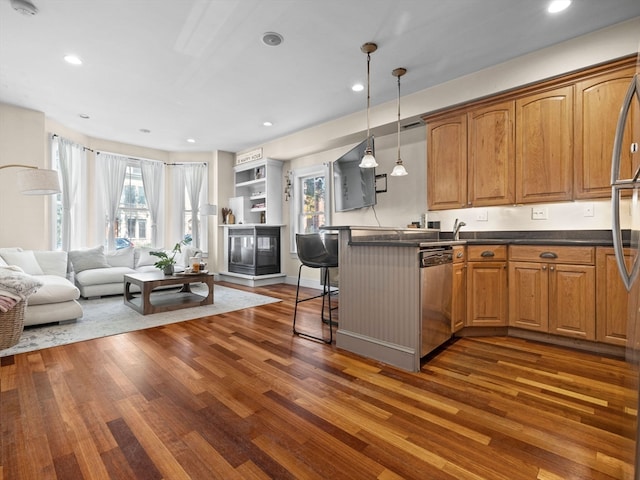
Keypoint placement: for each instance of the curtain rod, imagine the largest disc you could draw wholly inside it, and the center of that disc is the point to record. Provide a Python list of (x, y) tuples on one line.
[(84, 148)]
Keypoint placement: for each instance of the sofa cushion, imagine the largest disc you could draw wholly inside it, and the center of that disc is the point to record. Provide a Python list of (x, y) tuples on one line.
[(55, 289), (121, 258), (88, 259), (52, 262), (25, 260), (99, 276)]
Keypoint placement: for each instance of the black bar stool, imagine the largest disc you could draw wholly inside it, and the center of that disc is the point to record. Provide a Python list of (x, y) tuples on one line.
[(313, 253)]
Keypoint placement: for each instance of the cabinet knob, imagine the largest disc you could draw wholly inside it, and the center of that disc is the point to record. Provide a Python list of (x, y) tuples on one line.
[(459, 255), (544, 267), (552, 268)]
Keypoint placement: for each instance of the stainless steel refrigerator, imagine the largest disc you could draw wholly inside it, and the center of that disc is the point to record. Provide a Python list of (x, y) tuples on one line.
[(626, 194)]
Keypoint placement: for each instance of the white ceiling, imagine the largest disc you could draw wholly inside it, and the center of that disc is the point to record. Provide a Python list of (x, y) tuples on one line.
[(199, 69)]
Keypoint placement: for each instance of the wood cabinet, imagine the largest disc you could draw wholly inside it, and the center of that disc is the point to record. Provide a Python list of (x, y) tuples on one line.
[(598, 101), (612, 308), (486, 285), (547, 142), (490, 152), (258, 190), (459, 291), (544, 146), (552, 289), (447, 163)]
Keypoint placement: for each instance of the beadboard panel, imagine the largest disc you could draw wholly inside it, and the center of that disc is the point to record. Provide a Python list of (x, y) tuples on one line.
[(380, 303)]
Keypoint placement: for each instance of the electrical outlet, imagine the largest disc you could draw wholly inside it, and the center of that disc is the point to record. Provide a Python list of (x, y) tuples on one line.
[(539, 213), (588, 210), (482, 215)]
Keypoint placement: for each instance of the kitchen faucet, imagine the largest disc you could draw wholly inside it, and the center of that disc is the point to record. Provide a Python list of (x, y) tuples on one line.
[(456, 229)]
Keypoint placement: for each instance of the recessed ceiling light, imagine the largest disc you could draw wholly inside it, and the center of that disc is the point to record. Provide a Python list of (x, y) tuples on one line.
[(72, 59), (145, 130), (83, 115), (272, 39), (358, 87), (267, 124), (191, 140), (558, 5)]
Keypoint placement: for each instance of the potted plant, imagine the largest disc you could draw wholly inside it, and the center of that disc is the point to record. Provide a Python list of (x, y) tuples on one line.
[(166, 261)]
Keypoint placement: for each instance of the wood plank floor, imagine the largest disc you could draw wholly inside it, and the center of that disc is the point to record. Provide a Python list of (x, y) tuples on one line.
[(237, 396)]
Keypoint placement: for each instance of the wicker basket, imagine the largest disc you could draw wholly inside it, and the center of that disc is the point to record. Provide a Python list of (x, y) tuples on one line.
[(11, 325)]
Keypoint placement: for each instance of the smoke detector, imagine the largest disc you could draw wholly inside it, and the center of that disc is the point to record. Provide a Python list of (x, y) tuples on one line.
[(24, 7)]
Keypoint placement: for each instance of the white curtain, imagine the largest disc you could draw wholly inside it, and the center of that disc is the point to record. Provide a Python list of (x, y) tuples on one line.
[(71, 159), (112, 169), (194, 177), (153, 183)]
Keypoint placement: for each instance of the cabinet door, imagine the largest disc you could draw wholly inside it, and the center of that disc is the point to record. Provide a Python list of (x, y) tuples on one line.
[(612, 305), (544, 152), (598, 101), (486, 294), (491, 169), (572, 301), (447, 163), (459, 297), (529, 296)]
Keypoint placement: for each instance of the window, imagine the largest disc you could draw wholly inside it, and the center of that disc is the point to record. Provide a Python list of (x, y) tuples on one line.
[(310, 201), (133, 212)]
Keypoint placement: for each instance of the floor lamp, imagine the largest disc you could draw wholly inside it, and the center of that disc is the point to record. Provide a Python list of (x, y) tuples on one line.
[(36, 181)]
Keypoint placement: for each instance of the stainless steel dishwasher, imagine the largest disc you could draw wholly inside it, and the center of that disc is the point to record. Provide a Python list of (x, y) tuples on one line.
[(436, 277)]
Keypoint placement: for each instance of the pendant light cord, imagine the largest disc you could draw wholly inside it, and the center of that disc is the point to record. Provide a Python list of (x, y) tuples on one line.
[(368, 101), (398, 117)]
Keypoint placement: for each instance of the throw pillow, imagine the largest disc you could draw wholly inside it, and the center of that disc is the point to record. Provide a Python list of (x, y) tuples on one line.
[(88, 259), (121, 258), (143, 257), (25, 260)]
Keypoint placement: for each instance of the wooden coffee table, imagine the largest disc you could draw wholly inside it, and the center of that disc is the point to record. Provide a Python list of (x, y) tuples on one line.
[(156, 301)]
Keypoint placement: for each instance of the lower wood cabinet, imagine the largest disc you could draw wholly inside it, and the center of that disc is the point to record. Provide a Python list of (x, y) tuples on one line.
[(612, 298), (552, 289), (486, 286)]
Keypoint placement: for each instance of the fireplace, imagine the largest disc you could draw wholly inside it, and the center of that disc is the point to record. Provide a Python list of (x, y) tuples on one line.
[(254, 250)]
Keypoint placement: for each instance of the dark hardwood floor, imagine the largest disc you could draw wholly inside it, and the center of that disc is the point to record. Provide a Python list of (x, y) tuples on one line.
[(237, 396)]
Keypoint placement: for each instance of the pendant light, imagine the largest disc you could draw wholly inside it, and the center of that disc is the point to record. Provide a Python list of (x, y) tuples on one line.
[(368, 160), (399, 170)]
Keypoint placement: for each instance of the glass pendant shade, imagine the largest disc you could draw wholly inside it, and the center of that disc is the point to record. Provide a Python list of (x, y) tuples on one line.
[(399, 170), (368, 160)]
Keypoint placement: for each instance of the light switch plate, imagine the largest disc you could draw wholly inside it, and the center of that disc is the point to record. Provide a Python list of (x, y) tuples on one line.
[(588, 210), (482, 215), (539, 213)]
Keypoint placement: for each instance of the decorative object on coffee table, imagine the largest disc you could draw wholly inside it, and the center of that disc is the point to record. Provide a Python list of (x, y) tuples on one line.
[(167, 261)]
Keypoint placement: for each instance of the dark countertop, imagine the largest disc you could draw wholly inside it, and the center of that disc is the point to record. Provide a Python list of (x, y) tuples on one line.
[(589, 238)]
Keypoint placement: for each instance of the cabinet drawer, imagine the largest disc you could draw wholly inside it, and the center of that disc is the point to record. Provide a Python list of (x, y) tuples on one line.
[(552, 254), (486, 253)]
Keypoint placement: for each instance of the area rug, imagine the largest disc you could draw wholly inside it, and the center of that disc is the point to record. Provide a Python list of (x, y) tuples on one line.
[(109, 316)]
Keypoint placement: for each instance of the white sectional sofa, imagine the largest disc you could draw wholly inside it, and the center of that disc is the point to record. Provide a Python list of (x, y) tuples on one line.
[(98, 273), (56, 300)]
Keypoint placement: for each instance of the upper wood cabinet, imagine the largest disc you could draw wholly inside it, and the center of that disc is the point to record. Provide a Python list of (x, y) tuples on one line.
[(547, 142), (447, 163), (598, 101), (491, 171), (544, 146)]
